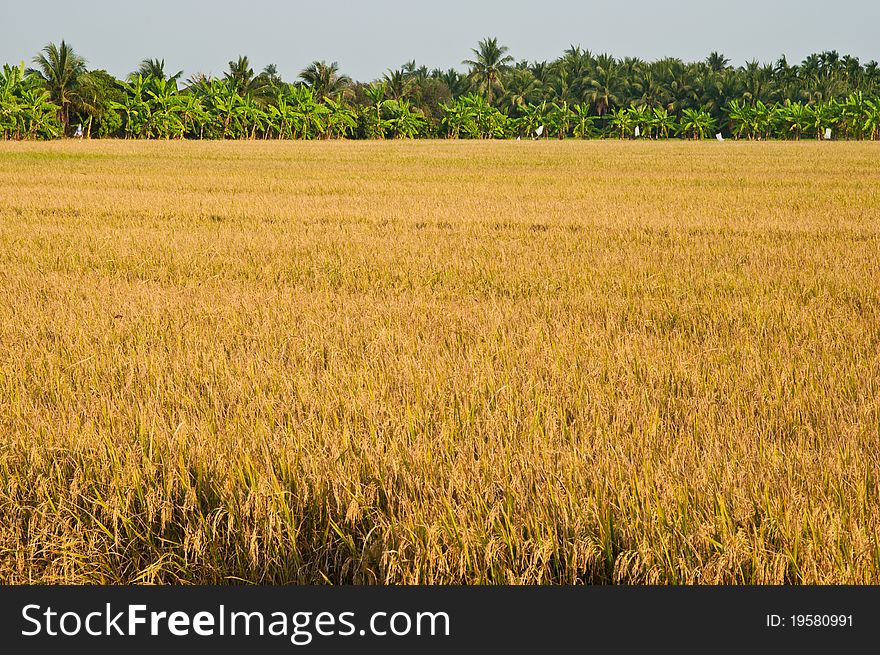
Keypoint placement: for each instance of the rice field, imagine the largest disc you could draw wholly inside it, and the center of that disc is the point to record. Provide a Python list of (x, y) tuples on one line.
[(440, 362)]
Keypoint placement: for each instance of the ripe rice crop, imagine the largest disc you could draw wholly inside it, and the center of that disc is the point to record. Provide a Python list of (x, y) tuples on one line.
[(439, 362)]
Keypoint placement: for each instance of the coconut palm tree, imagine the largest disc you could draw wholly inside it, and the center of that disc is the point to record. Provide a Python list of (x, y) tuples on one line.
[(455, 81), (488, 66), (521, 89), (155, 68), (717, 62), (240, 75), (758, 81), (325, 79), (60, 68), (398, 83), (605, 88)]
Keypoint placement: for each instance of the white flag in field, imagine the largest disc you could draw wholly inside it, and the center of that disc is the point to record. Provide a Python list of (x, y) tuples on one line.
[(540, 130), (719, 136), (638, 131), (828, 134)]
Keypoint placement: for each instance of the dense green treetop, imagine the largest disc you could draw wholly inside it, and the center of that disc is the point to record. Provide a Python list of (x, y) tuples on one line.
[(580, 94)]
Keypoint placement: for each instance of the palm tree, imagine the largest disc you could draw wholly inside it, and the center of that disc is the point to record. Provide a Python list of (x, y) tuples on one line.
[(155, 68), (488, 65), (60, 68), (88, 99), (325, 79), (398, 83), (605, 87), (758, 82), (241, 76), (455, 81), (717, 62), (521, 88), (577, 64)]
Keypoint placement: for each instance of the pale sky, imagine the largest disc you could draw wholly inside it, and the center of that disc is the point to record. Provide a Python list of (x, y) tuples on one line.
[(367, 37)]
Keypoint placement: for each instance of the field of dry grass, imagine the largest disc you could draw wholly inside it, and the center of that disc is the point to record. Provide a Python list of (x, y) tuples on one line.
[(447, 362)]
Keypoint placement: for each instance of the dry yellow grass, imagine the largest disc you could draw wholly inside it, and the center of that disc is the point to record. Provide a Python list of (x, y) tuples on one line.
[(440, 362)]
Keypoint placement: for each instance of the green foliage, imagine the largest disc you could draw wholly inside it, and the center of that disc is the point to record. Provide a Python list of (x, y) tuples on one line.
[(579, 95), (696, 124), (472, 117), (26, 110)]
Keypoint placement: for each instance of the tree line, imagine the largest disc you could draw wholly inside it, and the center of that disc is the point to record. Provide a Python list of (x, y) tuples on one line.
[(578, 95)]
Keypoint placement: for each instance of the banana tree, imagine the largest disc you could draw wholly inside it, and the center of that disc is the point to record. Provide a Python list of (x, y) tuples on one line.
[(10, 106), (622, 120), (583, 121), (226, 107), (134, 108), (376, 92), (253, 118), (165, 108), (852, 115), (473, 117), (559, 119), (662, 122), (406, 122), (308, 116), (39, 114), (796, 118), (740, 115), (456, 116), (341, 121), (641, 118), (534, 117), (764, 119), (871, 124), (822, 116), (280, 122), (193, 115), (697, 123)]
